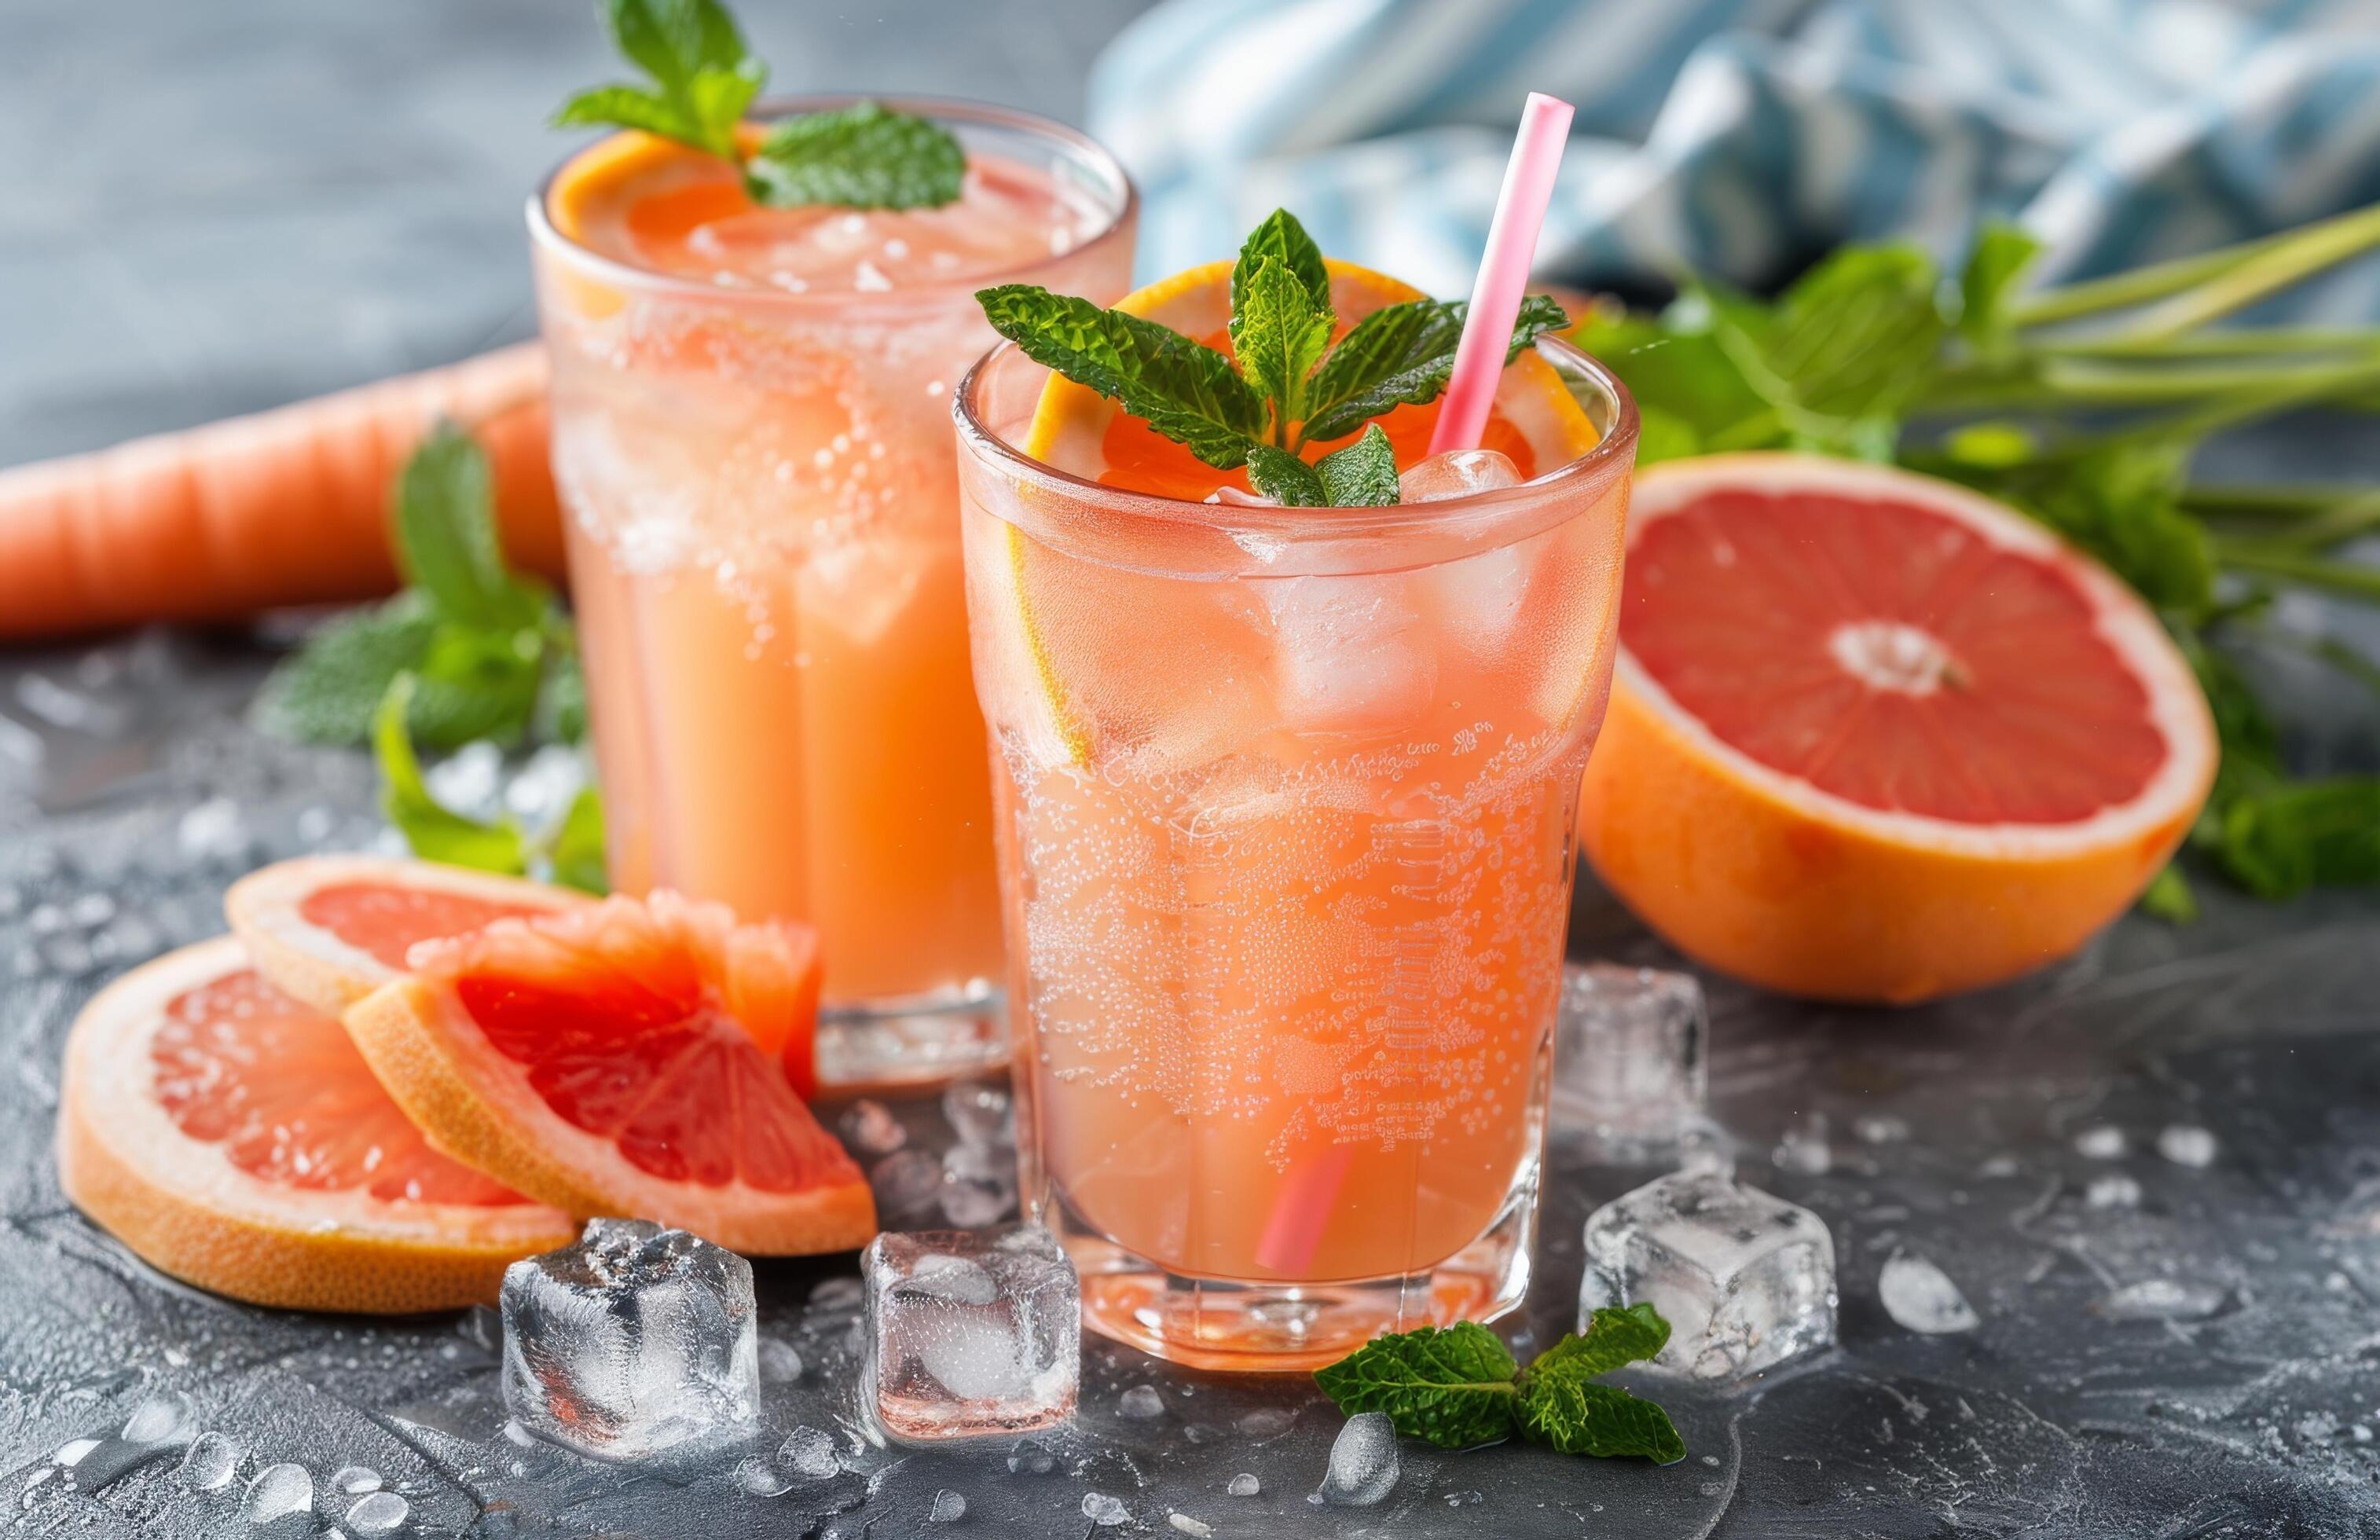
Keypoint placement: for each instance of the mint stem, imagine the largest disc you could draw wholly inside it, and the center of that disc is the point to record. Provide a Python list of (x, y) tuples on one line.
[(2342, 577), (2331, 240)]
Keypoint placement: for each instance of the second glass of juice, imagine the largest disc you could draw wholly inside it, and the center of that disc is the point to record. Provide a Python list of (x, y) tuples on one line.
[(751, 438)]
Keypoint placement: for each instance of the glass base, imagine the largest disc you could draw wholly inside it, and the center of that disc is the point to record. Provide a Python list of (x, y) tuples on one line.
[(1272, 1327), (912, 1041)]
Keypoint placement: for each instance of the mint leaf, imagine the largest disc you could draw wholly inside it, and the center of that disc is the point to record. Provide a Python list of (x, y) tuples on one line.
[(1842, 353), (1363, 475), (2000, 255), (432, 830), (1279, 332), (445, 528), (2169, 897), (702, 78), (1282, 240), (1288, 480), (472, 684), (576, 850), (330, 690), (863, 156), (1452, 1387), (1559, 1405), (2278, 841), (1402, 354), (1186, 391), (1613, 1338)]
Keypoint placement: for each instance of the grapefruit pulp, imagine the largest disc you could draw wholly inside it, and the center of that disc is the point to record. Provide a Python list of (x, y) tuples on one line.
[(330, 929), (235, 1139), (641, 1059), (1874, 736)]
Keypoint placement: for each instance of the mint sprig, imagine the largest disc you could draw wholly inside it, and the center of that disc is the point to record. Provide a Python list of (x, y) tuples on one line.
[(1459, 1386), (1285, 388), (571, 853), (700, 79)]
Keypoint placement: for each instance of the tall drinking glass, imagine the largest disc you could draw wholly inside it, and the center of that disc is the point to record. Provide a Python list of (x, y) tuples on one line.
[(751, 438), (1284, 808)]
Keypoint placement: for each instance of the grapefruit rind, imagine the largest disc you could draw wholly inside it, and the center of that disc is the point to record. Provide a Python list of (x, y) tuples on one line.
[(182, 1207), (1772, 881), (315, 967)]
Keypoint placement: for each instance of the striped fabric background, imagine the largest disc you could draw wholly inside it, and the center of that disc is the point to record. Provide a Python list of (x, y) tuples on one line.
[(1746, 137)]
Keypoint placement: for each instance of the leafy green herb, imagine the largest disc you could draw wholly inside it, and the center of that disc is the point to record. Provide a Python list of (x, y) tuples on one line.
[(700, 77), (571, 853), (1362, 475), (1460, 1387), (1404, 354), (863, 156)]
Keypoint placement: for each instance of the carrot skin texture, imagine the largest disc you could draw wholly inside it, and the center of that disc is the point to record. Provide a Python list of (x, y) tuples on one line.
[(286, 506)]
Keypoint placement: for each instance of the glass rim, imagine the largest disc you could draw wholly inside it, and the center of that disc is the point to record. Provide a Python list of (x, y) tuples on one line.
[(951, 109), (1618, 444)]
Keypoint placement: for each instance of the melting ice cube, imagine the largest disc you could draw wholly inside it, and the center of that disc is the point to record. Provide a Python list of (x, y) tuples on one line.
[(1920, 1297), (1745, 1280), (1350, 651), (1457, 473), (971, 1333), (1629, 1063), (635, 1342), (1362, 1467)]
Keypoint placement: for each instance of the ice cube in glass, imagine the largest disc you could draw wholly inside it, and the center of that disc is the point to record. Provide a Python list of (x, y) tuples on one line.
[(1629, 1057), (1745, 1280), (971, 1333), (1456, 473), (635, 1342)]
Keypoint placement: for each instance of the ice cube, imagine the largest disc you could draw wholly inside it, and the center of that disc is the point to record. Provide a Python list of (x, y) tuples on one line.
[(2187, 1145), (971, 1333), (979, 1113), (1804, 1149), (1140, 1403), (1920, 1297), (1244, 1485), (2104, 1142), (635, 1342), (871, 1128), (1457, 473), (2115, 1191), (1745, 1280), (979, 1184), (1104, 1511), (1350, 652), (906, 1184), (1629, 1063), (1362, 1467), (781, 1362)]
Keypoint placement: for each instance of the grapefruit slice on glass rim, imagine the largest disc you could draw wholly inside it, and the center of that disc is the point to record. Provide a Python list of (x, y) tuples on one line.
[(330, 929), (643, 1058), (1874, 736), (234, 1138)]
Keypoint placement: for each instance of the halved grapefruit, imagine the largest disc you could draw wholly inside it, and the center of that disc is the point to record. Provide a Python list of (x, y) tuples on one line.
[(330, 929), (1874, 736), (611, 1060), (235, 1138)]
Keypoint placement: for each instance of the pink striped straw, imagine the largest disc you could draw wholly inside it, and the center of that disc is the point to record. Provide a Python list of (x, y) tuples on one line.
[(1504, 273)]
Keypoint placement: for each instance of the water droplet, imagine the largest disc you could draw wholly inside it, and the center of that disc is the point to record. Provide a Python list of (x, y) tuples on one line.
[(278, 1491), (378, 1513), (949, 1508), (1245, 1485), (355, 1480), (209, 1465)]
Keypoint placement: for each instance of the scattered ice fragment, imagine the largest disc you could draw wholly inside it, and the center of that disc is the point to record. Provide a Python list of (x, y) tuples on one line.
[(1267, 1422), (870, 1127), (1244, 1485), (838, 1293), (781, 1362), (949, 1508), (979, 1185), (2100, 1142), (1920, 1297), (970, 1333), (906, 1183), (277, 1492), (212, 830), (470, 780), (2164, 1299), (208, 1464), (1629, 1056), (1189, 1525), (1362, 1467), (1458, 473), (979, 1113), (1998, 1166), (635, 1340), (1030, 1458), (378, 1513), (1803, 1148), (355, 1480), (1104, 1511), (2113, 1191), (761, 1478), (1745, 1280), (1141, 1403), (1464, 1499), (70, 1453), (2186, 1144), (484, 1329), (809, 1454), (1880, 1128)]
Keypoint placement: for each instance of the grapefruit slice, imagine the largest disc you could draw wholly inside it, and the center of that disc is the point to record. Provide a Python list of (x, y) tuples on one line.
[(611, 1060), (235, 1139), (330, 929), (1874, 736)]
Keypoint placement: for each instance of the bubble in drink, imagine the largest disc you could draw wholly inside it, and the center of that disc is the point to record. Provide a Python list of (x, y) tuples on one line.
[(633, 1341), (1920, 1297), (970, 1333), (1629, 1057), (1362, 1467), (1745, 1280), (1456, 473)]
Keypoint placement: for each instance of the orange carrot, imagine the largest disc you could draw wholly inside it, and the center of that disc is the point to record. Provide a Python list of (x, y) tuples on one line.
[(288, 506)]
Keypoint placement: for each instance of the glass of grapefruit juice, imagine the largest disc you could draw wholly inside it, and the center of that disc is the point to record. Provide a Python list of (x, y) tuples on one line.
[(750, 424), (1285, 803)]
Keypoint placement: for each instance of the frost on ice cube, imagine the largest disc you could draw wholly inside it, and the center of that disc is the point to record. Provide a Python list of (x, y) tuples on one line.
[(971, 1333), (1629, 1062), (635, 1342), (1457, 473), (1745, 1280)]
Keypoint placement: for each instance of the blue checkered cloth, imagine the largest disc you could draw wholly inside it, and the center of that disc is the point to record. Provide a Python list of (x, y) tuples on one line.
[(1745, 138)]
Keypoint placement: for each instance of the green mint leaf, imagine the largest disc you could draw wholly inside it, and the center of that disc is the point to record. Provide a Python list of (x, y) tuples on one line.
[(473, 684), (1280, 238), (562, 703), (703, 79), (1402, 354), (1452, 1388), (330, 690), (432, 830), (1363, 475), (1288, 480), (1574, 1416), (1614, 1338), (2169, 898), (2123, 504), (863, 156), (1841, 357), (1690, 398), (1186, 391), (2281, 840), (1997, 262), (575, 855), (630, 108), (1279, 333), (446, 527)]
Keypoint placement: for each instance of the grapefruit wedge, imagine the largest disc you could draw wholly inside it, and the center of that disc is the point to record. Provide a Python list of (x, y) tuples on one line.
[(646, 1059), (330, 929), (1874, 736), (235, 1139)]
